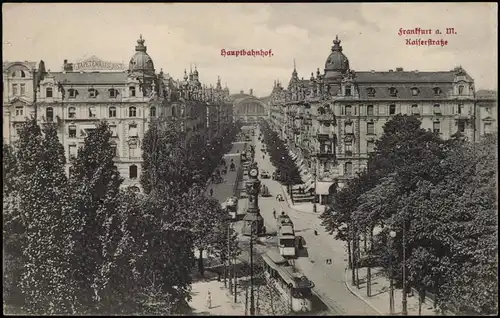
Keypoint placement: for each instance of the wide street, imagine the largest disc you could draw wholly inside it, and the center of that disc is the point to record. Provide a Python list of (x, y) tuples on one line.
[(328, 278)]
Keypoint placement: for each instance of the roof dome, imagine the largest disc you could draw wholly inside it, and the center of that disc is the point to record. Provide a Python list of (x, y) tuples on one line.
[(336, 63), (141, 61)]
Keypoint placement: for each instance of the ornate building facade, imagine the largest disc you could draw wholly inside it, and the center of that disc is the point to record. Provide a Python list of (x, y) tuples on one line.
[(331, 120), (127, 98)]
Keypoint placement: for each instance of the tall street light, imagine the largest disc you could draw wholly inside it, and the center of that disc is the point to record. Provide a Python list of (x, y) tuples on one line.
[(392, 235)]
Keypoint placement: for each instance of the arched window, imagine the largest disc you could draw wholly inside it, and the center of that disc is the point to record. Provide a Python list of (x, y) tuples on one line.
[(112, 112), (49, 114), (369, 110), (348, 110), (132, 172), (152, 112), (19, 73), (393, 91), (460, 90), (93, 93), (348, 90), (71, 112), (348, 168), (131, 91), (48, 92), (132, 111)]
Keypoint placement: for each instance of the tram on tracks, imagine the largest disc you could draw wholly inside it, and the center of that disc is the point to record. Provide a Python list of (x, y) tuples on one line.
[(294, 288), (287, 242)]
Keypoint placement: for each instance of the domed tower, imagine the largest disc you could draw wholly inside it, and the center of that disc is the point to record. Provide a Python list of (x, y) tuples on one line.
[(336, 63), (141, 63)]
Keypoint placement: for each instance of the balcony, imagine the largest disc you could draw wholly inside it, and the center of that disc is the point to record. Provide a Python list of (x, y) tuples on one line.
[(325, 155), (326, 118)]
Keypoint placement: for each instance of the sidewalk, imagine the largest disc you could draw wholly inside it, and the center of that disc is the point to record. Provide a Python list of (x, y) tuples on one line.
[(222, 301), (305, 207), (379, 300)]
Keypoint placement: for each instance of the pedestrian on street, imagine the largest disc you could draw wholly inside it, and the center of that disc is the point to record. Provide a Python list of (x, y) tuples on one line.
[(315, 232), (209, 300), (211, 192), (274, 213)]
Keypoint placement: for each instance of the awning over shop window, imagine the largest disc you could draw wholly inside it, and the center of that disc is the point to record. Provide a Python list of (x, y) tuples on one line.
[(323, 187)]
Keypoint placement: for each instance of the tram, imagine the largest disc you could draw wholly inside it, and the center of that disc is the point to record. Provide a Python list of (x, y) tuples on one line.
[(294, 288), (286, 237)]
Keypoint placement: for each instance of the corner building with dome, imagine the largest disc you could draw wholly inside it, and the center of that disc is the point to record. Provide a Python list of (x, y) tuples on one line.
[(91, 90), (332, 119)]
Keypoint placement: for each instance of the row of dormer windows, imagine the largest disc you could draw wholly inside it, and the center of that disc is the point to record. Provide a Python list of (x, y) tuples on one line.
[(393, 92), (92, 93)]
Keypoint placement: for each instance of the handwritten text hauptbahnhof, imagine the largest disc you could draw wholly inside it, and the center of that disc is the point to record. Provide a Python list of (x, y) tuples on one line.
[(243, 52)]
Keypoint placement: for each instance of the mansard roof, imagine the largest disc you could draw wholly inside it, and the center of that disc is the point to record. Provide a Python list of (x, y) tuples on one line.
[(407, 77), (90, 77)]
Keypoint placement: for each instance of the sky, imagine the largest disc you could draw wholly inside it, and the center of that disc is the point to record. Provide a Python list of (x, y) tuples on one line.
[(180, 35)]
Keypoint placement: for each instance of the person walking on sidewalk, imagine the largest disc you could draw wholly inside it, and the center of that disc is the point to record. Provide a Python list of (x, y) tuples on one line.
[(209, 300), (274, 213), (211, 192)]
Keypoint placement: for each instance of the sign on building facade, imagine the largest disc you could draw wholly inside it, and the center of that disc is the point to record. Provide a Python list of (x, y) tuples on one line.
[(93, 63)]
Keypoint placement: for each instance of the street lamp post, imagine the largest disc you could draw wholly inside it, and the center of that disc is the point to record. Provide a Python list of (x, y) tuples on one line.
[(404, 302), (392, 235), (252, 299)]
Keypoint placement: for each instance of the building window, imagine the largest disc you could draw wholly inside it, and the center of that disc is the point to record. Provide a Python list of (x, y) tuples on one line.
[(174, 114), (72, 93), (414, 91), (92, 112), (488, 110), (436, 127), (73, 151), (72, 112), (371, 92), (23, 89), (348, 168), (460, 108), (348, 110), (348, 148), (152, 112), (112, 112), (114, 130), (461, 126), (437, 91), (14, 89), (49, 114), (392, 109), (370, 146), (93, 93), (393, 92), (133, 153), (115, 149), (487, 128), (132, 111), (132, 172), (131, 91), (48, 92), (415, 110), (72, 131), (19, 110), (113, 93), (132, 130), (348, 90), (460, 90), (369, 110), (437, 109), (348, 128), (370, 128)]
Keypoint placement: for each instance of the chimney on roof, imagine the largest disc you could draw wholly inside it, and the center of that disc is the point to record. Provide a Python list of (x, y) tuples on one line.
[(391, 71), (399, 69)]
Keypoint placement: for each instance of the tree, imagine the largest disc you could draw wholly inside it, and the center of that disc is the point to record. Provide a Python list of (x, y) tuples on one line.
[(95, 183), (13, 229), (46, 281)]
